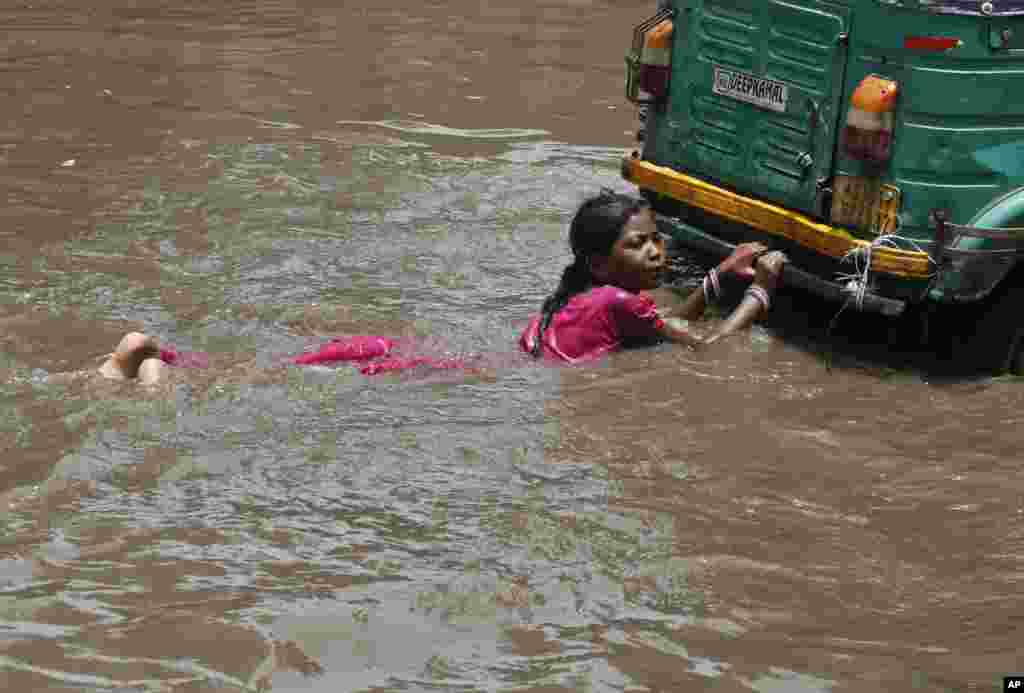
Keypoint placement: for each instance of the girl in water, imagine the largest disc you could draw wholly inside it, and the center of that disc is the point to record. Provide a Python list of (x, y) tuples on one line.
[(618, 254), (600, 304)]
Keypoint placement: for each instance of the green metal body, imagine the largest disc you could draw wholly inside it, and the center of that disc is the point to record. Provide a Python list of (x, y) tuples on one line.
[(959, 131)]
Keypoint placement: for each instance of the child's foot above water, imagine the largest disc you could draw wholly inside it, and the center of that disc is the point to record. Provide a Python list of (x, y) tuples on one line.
[(133, 352)]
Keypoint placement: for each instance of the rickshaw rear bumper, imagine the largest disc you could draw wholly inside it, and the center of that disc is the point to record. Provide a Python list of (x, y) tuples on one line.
[(715, 216), (792, 275), (961, 264)]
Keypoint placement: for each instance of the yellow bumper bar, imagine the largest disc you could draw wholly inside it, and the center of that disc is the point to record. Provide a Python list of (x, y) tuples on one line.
[(827, 240)]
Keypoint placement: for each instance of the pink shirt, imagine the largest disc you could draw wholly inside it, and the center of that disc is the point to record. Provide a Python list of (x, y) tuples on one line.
[(595, 322)]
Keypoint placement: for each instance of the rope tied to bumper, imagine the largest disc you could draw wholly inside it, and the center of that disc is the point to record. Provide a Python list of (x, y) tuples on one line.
[(857, 281)]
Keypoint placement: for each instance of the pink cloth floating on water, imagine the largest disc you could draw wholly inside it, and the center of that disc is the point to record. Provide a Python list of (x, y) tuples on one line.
[(361, 348), (378, 351), (358, 348), (404, 363), (184, 359)]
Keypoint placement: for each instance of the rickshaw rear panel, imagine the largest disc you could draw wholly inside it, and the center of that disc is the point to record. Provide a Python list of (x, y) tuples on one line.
[(890, 133)]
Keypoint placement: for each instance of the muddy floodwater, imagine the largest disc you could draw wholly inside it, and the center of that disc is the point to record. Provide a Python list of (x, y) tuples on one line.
[(792, 511)]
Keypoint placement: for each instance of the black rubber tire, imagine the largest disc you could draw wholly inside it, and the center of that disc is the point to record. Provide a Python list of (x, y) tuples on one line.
[(1017, 359), (985, 336)]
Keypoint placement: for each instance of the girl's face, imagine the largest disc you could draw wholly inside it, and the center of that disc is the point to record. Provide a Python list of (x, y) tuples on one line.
[(637, 258)]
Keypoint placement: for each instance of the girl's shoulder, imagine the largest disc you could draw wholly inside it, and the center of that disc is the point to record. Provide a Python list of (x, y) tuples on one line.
[(603, 294), (634, 312), (610, 296)]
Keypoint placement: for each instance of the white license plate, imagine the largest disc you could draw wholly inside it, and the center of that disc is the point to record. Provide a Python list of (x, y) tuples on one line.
[(760, 91)]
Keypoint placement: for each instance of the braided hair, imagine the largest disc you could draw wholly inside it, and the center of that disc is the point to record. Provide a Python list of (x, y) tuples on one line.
[(594, 230)]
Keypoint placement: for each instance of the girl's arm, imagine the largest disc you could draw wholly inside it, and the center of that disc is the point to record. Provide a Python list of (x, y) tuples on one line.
[(749, 309), (740, 264), (769, 267), (692, 306)]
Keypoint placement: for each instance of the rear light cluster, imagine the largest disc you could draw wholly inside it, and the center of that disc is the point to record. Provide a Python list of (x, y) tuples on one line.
[(656, 62), (869, 122), (649, 63)]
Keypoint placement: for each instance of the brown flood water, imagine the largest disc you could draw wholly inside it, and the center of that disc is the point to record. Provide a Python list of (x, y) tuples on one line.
[(788, 512)]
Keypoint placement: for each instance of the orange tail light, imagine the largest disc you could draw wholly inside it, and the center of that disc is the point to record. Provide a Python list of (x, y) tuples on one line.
[(869, 122), (656, 61)]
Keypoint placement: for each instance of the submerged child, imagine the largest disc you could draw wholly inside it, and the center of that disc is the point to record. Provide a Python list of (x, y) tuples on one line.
[(600, 304), (139, 358)]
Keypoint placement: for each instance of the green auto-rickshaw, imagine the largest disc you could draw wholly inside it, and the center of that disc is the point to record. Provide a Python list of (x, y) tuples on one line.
[(880, 143)]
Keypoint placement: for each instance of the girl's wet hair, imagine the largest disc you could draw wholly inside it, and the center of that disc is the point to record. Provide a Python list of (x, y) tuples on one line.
[(594, 230)]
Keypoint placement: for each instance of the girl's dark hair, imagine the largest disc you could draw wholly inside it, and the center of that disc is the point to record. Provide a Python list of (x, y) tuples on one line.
[(595, 228)]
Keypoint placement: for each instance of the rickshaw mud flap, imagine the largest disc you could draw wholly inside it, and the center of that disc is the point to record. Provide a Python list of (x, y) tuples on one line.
[(791, 275)]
